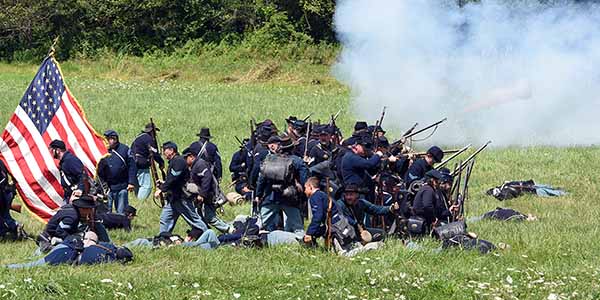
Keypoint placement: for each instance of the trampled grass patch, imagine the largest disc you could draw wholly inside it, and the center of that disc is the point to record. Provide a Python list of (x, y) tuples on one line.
[(554, 257)]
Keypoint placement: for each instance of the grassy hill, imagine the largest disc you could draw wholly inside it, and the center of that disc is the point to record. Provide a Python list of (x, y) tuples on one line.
[(555, 257)]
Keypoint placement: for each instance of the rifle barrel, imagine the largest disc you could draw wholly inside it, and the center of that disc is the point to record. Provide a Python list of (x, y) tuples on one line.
[(424, 129), (456, 153), (410, 130), (471, 157)]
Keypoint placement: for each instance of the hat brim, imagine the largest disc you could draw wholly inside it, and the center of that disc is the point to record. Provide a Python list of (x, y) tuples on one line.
[(204, 136)]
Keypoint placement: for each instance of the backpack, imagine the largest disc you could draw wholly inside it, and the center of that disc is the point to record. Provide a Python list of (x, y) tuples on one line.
[(278, 168), (342, 230), (468, 243), (447, 231), (505, 214)]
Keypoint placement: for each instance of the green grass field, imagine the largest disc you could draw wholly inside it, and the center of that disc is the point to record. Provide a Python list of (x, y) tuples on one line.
[(555, 257)]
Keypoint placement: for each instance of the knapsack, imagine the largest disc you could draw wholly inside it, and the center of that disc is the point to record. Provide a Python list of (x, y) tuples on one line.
[(278, 168), (468, 243), (505, 214), (342, 230)]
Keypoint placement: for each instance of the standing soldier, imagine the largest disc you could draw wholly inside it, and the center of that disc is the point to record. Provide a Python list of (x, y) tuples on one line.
[(296, 130), (70, 167), (205, 183), (323, 149), (208, 151), (356, 166), (142, 148), (280, 182), (178, 204), (118, 170)]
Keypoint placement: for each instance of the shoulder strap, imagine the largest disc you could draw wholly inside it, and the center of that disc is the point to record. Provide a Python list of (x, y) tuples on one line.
[(119, 155)]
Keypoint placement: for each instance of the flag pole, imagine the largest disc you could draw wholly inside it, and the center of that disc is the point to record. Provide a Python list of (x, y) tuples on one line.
[(52, 50)]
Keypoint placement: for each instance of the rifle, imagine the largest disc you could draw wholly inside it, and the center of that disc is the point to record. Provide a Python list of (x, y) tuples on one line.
[(410, 130), (380, 121), (334, 117), (153, 169), (337, 134), (307, 137), (471, 157), (380, 202), (456, 153), (455, 191), (465, 192), (407, 135), (307, 117), (328, 237), (378, 124)]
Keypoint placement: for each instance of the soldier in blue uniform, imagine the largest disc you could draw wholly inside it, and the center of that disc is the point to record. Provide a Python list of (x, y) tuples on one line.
[(118, 221), (119, 171), (323, 148), (205, 182), (70, 167), (239, 166), (178, 204), (427, 203), (361, 129), (9, 228), (77, 251), (96, 252), (319, 205), (143, 147), (276, 197), (208, 151), (263, 134), (357, 169), (422, 165), (72, 219), (296, 130), (354, 209)]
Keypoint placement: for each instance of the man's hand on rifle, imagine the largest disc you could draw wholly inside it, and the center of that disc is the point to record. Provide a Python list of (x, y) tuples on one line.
[(159, 182), (199, 199), (130, 187), (257, 200), (394, 208), (157, 193), (392, 159)]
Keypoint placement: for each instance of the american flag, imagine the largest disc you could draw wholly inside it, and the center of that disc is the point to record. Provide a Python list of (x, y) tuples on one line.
[(47, 112)]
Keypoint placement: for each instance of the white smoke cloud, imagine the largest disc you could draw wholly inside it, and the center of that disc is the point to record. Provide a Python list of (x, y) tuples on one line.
[(519, 74)]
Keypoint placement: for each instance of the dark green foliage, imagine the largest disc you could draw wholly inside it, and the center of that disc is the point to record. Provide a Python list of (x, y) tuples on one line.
[(84, 28)]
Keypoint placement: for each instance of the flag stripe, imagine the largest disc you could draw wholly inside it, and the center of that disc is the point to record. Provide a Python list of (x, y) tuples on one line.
[(28, 161), (23, 122), (28, 195), (76, 122), (21, 161), (97, 139)]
